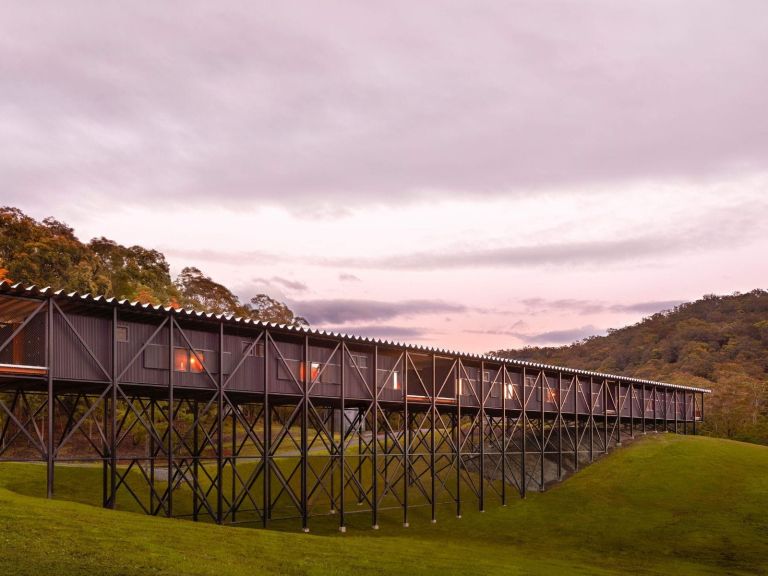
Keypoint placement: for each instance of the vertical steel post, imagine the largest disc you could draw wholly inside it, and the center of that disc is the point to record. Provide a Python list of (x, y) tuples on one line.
[(406, 440), (693, 394), (481, 381), (233, 462), (50, 458), (655, 411), (195, 456), (524, 428), (605, 415), (152, 454), (504, 378), (171, 369), (360, 457), (618, 405), (559, 426), (631, 410), (591, 421), (113, 414), (543, 433), (267, 471), (304, 426), (676, 407), (576, 383), (375, 438), (220, 431), (433, 486), (642, 403), (343, 431), (457, 426)]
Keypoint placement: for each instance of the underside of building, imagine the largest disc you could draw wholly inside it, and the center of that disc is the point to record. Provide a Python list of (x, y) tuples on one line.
[(230, 420)]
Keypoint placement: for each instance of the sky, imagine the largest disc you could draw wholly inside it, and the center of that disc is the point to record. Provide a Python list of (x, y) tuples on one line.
[(468, 175)]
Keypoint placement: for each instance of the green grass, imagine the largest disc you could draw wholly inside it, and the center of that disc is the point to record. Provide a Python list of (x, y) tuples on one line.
[(666, 504)]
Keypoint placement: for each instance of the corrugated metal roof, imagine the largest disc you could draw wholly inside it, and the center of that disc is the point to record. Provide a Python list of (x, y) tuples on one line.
[(35, 292)]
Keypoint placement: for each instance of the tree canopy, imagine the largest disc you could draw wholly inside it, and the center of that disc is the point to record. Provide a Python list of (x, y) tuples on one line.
[(48, 253), (718, 342)]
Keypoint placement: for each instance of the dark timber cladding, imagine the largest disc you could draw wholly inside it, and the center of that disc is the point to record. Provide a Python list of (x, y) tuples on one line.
[(230, 420)]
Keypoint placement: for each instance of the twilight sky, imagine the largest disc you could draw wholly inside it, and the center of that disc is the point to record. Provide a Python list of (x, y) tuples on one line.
[(468, 175)]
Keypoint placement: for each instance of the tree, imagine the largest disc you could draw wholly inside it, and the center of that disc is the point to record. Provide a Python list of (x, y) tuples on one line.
[(203, 293), (135, 273), (268, 309)]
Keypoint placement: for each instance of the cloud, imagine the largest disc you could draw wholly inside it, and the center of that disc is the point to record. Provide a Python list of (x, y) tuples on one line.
[(345, 277), (349, 108), (548, 338), (558, 337), (385, 332), (588, 307), (342, 311), (293, 285), (715, 228)]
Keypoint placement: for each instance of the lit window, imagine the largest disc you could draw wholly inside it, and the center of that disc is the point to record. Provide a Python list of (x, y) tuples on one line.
[(121, 333), (314, 371), (508, 392), (552, 396), (196, 361), (395, 380), (180, 359)]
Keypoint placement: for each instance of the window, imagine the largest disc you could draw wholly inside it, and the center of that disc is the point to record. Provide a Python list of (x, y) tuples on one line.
[(361, 360), (256, 351), (509, 391), (395, 380), (314, 371), (487, 375), (196, 361), (552, 396), (181, 360), (121, 333)]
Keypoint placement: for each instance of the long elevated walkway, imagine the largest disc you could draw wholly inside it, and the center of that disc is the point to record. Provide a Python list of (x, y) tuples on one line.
[(231, 420)]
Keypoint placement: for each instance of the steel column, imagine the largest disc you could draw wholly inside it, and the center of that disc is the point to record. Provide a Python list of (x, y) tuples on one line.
[(481, 381), (267, 472), (304, 426), (559, 426), (375, 436), (171, 369), (343, 442), (50, 458), (524, 428)]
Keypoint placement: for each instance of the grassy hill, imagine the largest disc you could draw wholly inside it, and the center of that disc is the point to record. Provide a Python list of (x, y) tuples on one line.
[(665, 504), (719, 342)]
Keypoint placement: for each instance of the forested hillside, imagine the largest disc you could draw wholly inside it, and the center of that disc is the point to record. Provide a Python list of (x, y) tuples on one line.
[(48, 253), (719, 342)]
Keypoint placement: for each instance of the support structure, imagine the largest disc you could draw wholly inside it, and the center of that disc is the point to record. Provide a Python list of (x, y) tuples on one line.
[(222, 420)]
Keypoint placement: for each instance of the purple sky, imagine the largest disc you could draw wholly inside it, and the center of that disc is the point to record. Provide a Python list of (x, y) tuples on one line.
[(470, 175)]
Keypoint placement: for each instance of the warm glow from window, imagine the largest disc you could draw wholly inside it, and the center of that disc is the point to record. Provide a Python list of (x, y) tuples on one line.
[(180, 360), (395, 382), (196, 360), (314, 371)]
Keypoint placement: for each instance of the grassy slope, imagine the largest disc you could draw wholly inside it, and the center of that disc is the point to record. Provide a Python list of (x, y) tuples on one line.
[(666, 504)]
